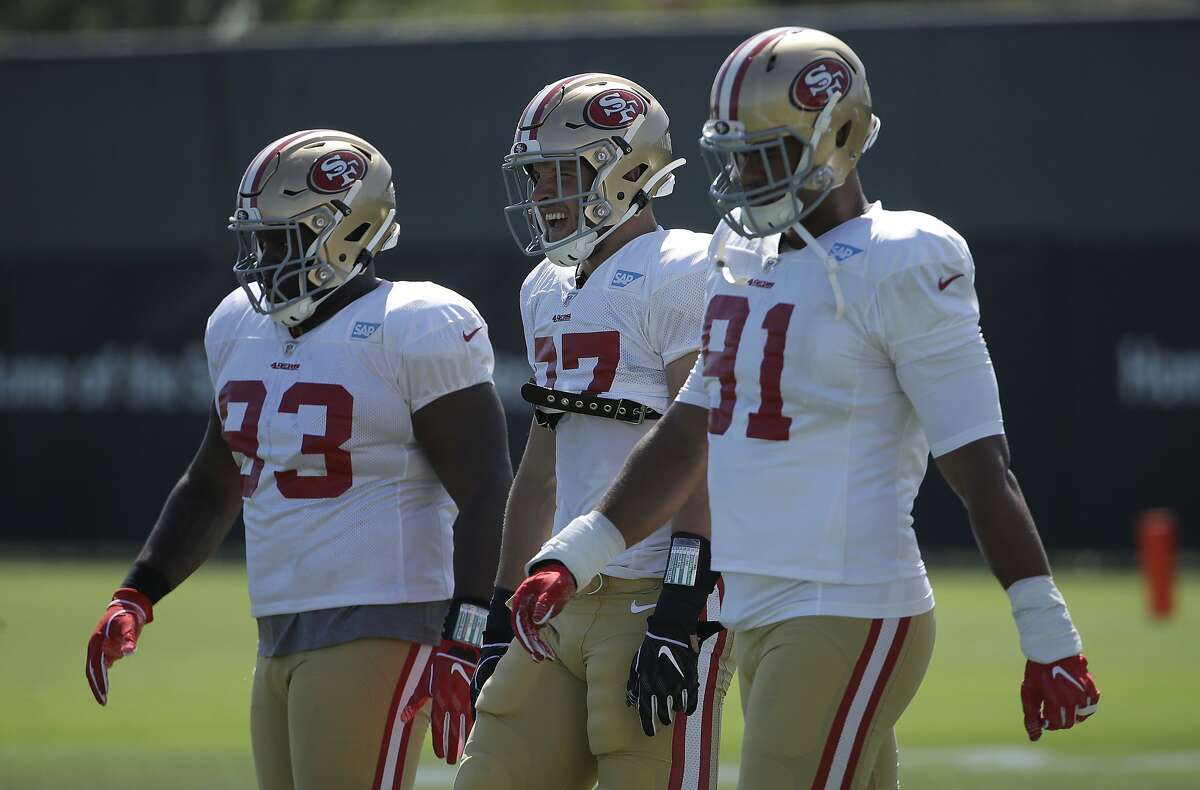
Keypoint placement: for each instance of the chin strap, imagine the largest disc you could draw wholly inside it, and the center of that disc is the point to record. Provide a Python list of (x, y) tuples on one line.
[(831, 266), (653, 190), (634, 207), (872, 133), (723, 267), (302, 311)]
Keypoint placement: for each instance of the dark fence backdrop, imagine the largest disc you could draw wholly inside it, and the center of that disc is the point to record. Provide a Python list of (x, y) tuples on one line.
[(1061, 151)]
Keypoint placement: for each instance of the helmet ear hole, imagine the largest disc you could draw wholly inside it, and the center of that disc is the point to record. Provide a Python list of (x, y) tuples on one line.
[(357, 234), (843, 134), (633, 175)]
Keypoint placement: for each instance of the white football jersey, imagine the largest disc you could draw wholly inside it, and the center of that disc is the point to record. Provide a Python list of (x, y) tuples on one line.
[(341, 505), (820, 428), (638, 312)]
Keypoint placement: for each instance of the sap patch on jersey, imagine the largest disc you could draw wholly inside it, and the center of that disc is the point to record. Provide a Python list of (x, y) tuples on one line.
[(624, 278), (365, 330)]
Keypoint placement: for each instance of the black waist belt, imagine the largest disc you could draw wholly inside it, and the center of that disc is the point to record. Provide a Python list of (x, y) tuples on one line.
[(623, 410)]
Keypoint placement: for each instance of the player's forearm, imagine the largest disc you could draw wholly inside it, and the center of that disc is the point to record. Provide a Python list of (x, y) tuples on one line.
[(528, 521), (1005, 531), (198, 514), (660, 476), (693, 516), (980, 473), (477, 541)]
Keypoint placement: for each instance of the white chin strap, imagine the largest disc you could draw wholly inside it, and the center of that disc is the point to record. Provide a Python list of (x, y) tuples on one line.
[(296, 313), (581, 248), (723, 267), (872, 133), (774, 216), (302, 311), (574, 253), (831, 267)]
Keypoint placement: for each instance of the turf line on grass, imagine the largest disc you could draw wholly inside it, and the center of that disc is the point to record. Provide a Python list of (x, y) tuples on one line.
[(985, 759), (1023, 759)]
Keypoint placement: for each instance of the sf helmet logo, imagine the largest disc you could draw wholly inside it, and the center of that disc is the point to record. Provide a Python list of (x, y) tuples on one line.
[(614, 109), (815, 85), (336, 171)]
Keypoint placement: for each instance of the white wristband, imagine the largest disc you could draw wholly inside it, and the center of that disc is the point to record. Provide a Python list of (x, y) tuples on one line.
[(585, 546), (1047, 633)]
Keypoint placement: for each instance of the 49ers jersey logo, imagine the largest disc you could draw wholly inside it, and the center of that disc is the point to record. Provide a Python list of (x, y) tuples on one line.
[(816, 83), (614, 109), (336, 171)]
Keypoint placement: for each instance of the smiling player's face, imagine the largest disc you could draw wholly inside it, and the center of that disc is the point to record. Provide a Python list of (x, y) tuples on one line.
[(554, 181)]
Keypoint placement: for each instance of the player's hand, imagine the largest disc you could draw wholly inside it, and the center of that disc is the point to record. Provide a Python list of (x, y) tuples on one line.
[(497, 636), (489, 657), (447, 681), (115, 637), (539, 598), (1056, 696), (663, 678)]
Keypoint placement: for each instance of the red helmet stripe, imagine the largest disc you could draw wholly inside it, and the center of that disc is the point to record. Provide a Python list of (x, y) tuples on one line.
[(735, 91), (719, 82), (532, 116), (258, 168)]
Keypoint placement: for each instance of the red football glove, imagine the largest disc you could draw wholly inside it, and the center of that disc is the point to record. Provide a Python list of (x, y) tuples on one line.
[(1056, 696), (447, 681), (116, 637), (539, 598)]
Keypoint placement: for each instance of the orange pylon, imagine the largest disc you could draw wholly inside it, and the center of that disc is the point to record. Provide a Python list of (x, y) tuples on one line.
[(1157, 539)]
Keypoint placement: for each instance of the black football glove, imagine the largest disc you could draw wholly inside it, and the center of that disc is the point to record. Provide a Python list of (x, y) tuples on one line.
[(497, 636), (664, 678)]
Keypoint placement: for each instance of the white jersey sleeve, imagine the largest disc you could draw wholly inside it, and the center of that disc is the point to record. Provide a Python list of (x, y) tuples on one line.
[(693, 390), (232, 314), (455, 354), (929, 315), (678, 306)]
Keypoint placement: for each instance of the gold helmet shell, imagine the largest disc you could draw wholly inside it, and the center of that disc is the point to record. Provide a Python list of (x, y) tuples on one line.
[(612, 125), (785, 83), (313, 209)]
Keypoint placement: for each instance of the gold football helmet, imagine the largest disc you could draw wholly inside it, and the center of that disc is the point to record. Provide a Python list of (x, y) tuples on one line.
[(313, 209), (583, 125), (788, 83)]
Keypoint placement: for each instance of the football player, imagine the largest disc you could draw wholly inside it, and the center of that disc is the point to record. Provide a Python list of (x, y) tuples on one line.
[(841, 347), (612, 327), (356, 427)]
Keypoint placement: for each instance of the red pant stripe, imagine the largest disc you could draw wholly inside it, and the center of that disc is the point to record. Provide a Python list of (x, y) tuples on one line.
[(389, 769), (839, 721), (876, 694)]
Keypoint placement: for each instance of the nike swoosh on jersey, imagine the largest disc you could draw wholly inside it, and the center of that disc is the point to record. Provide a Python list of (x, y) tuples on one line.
[(467, 337), (635, 608), (666, 651), (943, 282), (1060, 671)]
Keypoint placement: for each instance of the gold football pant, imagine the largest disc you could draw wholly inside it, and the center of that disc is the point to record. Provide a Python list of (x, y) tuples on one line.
[(821, 696), (564, 725), (330, 718)]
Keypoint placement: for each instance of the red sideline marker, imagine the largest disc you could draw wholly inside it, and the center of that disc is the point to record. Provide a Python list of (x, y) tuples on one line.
[(1157, 539)]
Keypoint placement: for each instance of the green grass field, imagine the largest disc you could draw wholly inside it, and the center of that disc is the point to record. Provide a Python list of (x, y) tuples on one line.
[(178, 712)]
